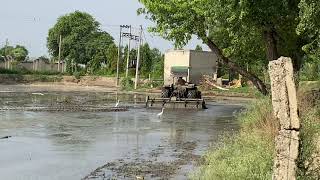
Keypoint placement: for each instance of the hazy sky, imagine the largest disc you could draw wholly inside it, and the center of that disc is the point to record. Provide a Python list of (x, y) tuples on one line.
[(27, 22)]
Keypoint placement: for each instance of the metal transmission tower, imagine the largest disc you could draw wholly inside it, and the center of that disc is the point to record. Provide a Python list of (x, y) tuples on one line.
[(119, 49), (130, 37)]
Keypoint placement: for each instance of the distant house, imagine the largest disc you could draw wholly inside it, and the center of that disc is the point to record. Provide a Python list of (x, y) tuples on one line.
[(190, 64)]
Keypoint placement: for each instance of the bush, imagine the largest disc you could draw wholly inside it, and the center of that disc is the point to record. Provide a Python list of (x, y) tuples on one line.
[(127, 83), (309, 153), (23, 71), (248, 155), (310, 72), (78, 74)]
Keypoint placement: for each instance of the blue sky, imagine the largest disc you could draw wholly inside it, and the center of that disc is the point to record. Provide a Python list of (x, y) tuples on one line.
[(27, 22)]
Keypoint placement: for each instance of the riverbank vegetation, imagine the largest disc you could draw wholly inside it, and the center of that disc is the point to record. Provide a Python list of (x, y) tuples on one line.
[(249, 154)]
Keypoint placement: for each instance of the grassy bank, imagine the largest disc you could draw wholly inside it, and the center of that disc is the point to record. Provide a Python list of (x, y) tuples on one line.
[(246, 91), (18, 78), (249, 154), (309, 152)]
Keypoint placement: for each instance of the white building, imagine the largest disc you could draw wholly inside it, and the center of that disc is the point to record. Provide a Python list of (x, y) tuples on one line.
[(190, 64)]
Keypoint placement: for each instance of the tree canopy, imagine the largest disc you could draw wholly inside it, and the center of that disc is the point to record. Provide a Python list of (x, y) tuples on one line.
[(240, 31), (82, 40), (18, 53)]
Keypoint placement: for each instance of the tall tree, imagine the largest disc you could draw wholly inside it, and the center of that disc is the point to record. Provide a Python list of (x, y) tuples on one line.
[(238, 31), (18, 53), (82, 40)]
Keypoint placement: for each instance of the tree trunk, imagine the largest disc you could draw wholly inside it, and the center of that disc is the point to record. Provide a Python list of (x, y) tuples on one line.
[(255, 80), (271, 45)]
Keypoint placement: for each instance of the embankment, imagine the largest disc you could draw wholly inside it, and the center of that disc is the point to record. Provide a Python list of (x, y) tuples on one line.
[(250, 154)]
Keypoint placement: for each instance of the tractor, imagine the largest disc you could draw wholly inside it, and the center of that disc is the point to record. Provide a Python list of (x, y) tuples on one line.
[(180, 92)]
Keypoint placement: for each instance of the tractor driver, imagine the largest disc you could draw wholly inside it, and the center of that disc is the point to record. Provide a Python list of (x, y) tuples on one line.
[(181, 81)]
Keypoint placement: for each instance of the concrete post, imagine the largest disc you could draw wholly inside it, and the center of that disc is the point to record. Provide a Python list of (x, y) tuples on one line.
[(285, 107)]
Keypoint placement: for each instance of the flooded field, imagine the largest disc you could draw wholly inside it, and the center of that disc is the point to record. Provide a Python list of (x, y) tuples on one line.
[(104, 145)]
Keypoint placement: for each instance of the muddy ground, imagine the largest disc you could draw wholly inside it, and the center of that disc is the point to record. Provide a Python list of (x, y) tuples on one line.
[(104, 145)]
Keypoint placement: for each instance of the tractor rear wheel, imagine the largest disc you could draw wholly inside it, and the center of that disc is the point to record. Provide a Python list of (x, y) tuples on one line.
[(199, 96), (192, 94), (165, 93)]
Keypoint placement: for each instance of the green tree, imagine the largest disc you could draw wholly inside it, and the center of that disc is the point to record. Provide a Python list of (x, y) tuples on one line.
[(82, 40), (97, 49), (146, 60), (198, 48), (309, 27), (238, 31), (18, 53)]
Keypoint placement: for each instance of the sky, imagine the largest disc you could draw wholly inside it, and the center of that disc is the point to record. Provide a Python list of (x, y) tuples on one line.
[(27, 22)]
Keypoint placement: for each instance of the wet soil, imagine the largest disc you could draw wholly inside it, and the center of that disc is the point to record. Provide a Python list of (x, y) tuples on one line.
[(104, 145)]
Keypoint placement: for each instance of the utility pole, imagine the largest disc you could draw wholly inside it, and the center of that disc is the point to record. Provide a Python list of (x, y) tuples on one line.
[(119, 55), (59, 56), (5, 55), (138, 58), (128, 56)]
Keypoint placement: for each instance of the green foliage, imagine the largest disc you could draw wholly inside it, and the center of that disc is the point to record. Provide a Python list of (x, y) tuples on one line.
[(127, 83), (23, 71), (18, 53), (310, 71), (198, 48), (10, 71), (309, 27), (237, 28), (82, 40), (308, 167), (151, 62), (248, 155), (77, 75), (258, 113)]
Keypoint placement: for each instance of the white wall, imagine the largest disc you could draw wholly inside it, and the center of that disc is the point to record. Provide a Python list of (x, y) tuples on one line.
[(174, 58)]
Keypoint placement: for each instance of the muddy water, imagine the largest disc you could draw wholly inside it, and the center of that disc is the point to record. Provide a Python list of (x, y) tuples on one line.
[(122, 145)]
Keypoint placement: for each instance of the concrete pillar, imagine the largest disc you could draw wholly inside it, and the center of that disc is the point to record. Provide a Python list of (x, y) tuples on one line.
[(285, 107)]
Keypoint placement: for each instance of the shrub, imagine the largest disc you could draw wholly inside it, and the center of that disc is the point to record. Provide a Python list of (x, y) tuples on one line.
[(309, 151), (127, 83), (249, 155), (77, 75)]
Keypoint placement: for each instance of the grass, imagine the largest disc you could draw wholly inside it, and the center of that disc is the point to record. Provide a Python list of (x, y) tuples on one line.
[(127, 84), (27, 72), (248, 155), (237, 92), (309, 152), (309, 156)]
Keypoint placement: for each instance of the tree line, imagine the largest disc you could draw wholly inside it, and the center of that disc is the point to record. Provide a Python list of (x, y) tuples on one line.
[(83, 42)]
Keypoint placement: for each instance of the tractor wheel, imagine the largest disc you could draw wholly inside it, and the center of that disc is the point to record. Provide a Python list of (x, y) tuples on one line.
[(165, 93), (199, 96), (192, 94)]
